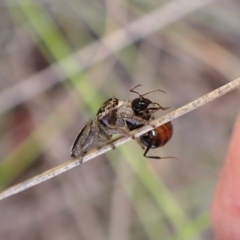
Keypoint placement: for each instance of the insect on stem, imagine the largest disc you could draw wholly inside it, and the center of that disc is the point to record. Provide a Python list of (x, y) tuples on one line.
[(121, 140)]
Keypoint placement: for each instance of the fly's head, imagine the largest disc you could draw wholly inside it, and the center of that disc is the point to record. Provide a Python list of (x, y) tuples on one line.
[(107, 107), (108, 115)]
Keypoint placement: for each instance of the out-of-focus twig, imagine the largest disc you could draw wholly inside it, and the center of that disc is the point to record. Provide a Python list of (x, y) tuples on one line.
[(150, 23), (136, 133)]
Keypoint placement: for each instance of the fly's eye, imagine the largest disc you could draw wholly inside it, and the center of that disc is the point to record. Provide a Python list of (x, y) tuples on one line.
[(110, 103)]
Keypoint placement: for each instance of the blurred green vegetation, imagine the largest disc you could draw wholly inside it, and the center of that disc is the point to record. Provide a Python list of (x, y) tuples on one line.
[(164, 199)]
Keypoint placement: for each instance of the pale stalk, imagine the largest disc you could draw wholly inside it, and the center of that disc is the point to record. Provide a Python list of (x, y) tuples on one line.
[(119, 141)]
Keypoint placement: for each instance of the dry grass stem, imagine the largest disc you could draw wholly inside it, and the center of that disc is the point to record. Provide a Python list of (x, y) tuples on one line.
[(121, 140)]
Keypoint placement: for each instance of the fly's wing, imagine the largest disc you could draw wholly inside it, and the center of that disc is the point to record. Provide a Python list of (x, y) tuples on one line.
[(83, 141)]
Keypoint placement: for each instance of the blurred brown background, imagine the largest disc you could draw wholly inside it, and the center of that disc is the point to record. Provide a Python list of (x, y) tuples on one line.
[(59, 60)]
